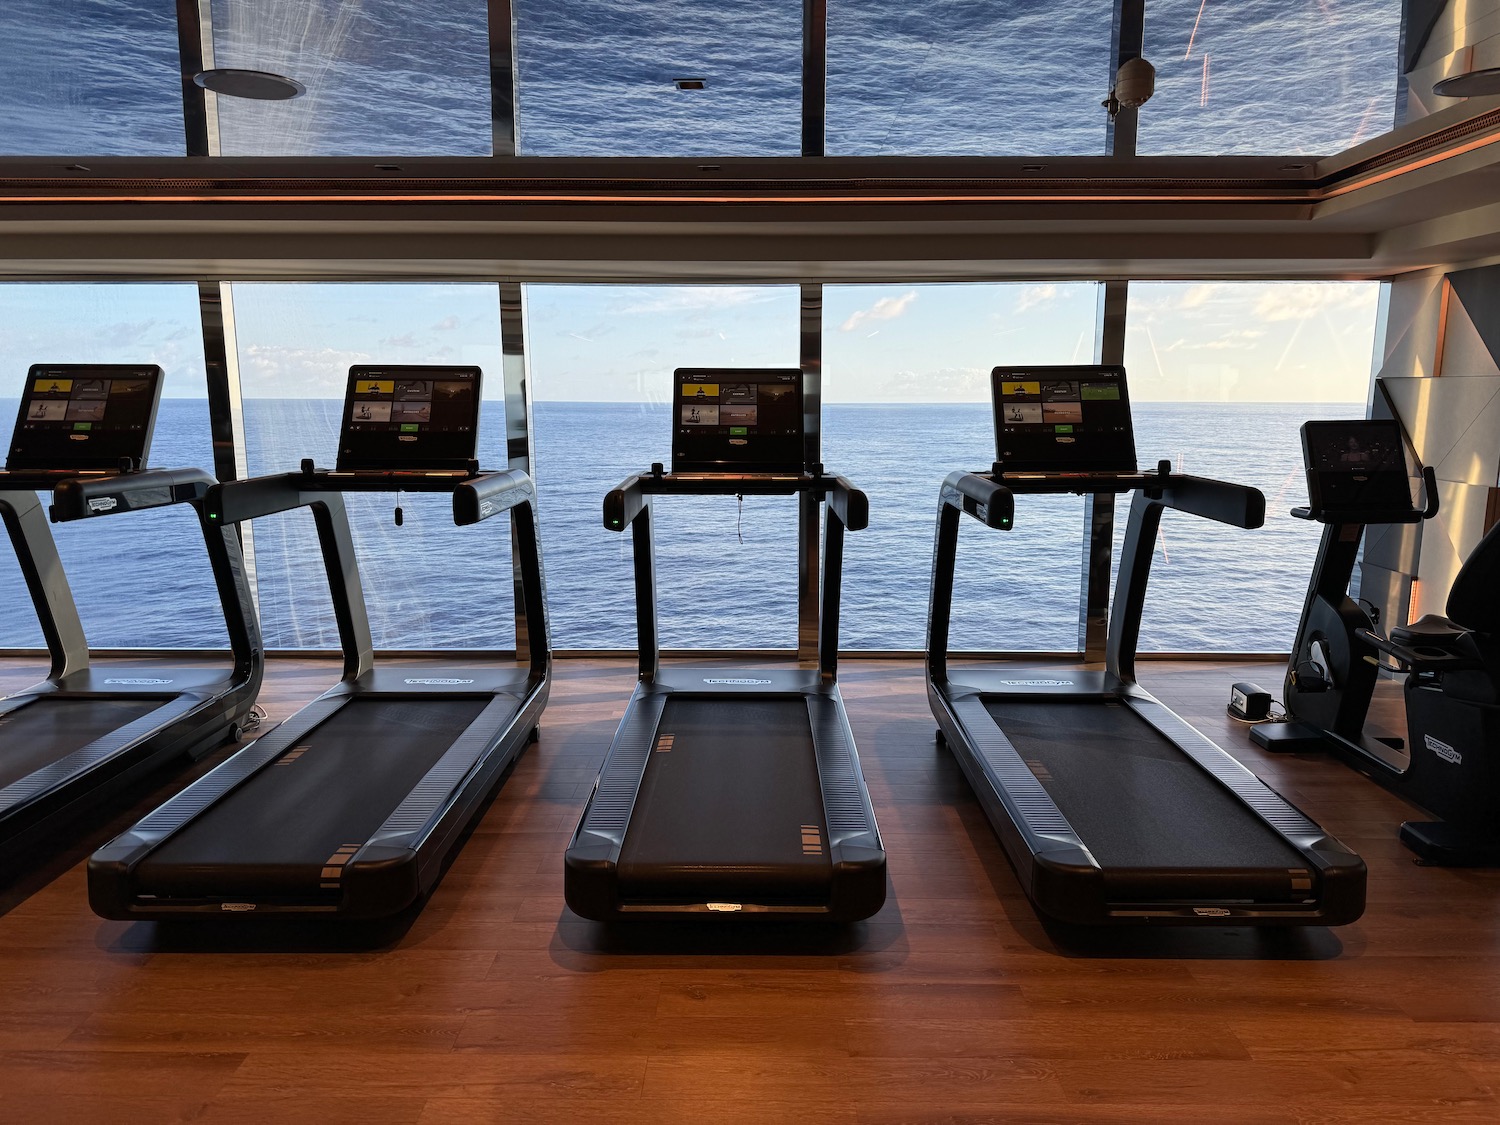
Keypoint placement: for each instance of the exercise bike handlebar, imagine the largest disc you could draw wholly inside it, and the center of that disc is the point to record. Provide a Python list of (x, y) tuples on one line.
[(1412, 514)]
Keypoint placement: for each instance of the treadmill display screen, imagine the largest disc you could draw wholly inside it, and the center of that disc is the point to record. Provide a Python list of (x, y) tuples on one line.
[(1062, 419), (1356, 465), (86, 417), (737, 420), (410, 418)]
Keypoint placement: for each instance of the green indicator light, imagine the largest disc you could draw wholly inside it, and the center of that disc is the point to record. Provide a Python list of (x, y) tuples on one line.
[(1065, 429), (83, 425), (739, 431), (409, 427)]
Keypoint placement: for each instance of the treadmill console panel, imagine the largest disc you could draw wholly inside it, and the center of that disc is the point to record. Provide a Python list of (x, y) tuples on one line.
[(738, 420), (85, 416), (409, 417), (1070, 419)]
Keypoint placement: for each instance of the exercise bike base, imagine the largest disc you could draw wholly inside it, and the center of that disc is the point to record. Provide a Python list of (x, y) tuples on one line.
[(1439, 844), (1288, 738)]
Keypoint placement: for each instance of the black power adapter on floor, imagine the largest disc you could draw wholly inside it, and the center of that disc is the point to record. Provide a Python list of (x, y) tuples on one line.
[(1248, 703)]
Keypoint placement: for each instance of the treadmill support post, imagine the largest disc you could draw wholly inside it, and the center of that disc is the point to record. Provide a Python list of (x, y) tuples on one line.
[(36, 554)]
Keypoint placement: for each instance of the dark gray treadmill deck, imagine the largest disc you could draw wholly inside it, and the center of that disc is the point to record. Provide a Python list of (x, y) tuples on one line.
[(1140, 805), (47, 730), (728, 813), (273, 834)]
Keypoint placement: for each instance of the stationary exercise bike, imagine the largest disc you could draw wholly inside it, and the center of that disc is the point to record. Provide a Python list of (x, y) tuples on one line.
[(1450, 762)]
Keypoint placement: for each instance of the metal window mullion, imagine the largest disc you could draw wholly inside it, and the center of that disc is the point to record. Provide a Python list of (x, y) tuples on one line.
[(809, 508), (1127, 41), (195, 52), (814, 77), (504, 74), (226, 408), (518, 430)]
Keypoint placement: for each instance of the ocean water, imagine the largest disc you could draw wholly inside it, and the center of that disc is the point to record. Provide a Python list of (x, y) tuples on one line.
[(726, 571)]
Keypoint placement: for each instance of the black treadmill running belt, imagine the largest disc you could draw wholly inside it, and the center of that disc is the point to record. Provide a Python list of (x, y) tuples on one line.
[(730, 808), (1135, 800), (272, 835), (43, 732)]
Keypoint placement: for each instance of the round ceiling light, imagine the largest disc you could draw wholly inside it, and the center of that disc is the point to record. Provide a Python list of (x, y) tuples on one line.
[(258, 85), (1474, 84)]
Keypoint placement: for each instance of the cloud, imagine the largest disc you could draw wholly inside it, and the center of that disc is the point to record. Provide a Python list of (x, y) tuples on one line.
[(277, 371), (1035, 295), (447, 324), (1305, 300), (696, 298), (946, 384), (887, 308), (407, 341)]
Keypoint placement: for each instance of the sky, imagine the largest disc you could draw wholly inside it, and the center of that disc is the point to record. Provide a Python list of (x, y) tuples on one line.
[(1186, 341)]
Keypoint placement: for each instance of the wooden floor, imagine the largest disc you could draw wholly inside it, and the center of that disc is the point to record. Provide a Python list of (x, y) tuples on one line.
[(953, 1004)]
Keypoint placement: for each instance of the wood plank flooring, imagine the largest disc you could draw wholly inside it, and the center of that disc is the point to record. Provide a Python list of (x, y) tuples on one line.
[(953, 1004)]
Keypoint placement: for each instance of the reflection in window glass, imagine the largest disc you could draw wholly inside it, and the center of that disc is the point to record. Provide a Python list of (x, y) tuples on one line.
[(383, 77), (597, 78), (907, 401), (1222, 376), (1282, 76), (81, 77), (428, 584), (601, 361), (967, 79), (141, 579)]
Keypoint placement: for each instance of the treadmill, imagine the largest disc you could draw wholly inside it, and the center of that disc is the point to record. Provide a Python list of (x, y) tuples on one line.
[(1111, 808), (350, 807), (732, 791), (83, 734)]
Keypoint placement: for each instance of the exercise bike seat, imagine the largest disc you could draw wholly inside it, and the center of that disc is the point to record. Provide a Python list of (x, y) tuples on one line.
[(1429, 629)]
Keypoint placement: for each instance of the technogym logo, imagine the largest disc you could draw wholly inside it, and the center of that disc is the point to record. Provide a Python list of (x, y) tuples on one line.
[(437, 681), (746, 682), (1037, 683), (1443, 750), (140, 680)]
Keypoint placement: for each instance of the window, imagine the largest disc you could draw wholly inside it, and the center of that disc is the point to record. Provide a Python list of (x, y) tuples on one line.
[(601, 359), (141, 580), (1222, 376), (907, 401), (428, 584), (1278, 76), (961, 78), (383, 77), (669, 78), (90, 78)]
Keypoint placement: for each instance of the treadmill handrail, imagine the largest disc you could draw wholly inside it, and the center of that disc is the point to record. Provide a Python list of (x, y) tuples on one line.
[(987, 500), (1236, 504), (234, 502), (629, 505), (489, 494), (87, 497), (512, 490)]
